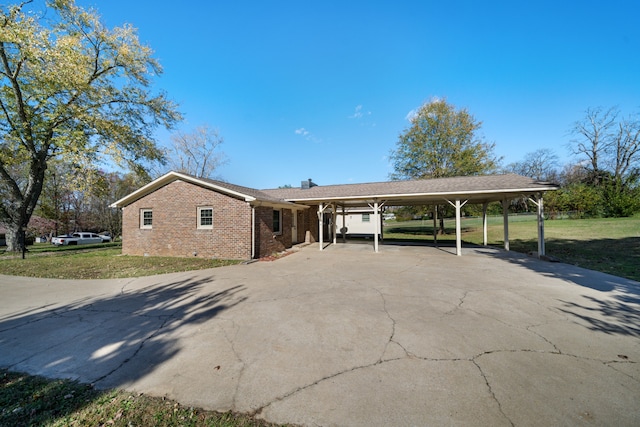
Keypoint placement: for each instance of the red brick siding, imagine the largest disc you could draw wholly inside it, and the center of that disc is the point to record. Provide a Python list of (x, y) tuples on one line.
[(175, 233), (268, 242), (310, 222)]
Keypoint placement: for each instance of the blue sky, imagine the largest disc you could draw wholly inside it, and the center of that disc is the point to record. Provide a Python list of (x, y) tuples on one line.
[(321, 90)]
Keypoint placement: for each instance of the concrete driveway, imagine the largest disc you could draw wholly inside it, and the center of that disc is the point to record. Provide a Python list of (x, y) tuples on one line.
[(408, 336)]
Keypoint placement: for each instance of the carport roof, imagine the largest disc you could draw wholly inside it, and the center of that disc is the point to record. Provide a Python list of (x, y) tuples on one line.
[(476, 189)]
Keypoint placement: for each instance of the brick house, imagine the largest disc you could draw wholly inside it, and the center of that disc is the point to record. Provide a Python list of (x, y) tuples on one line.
[(182, 215)]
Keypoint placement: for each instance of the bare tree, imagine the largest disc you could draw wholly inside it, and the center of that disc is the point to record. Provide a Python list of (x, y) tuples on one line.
[(594, 138), (624, 151), (197, 153), (541, 165)]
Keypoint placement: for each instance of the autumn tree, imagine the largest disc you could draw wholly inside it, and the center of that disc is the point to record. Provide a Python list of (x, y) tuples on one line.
[(442, 141), (196, 153), (70, 88)]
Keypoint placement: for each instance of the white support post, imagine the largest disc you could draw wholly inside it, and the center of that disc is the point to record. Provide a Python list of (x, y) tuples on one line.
[(375, 218), (541, 249), (540, 204), (321, 225), (458, 230), (505, 220), (344, 226), (435, 225), (334, 221), (458, 207), (484, 223)]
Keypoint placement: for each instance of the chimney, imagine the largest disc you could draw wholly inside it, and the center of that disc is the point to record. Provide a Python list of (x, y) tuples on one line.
[(305, 185)]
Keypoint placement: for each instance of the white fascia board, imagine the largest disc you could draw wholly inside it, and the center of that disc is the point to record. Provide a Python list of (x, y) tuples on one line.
[(142, 191), (170, 177), (419, 195), (279, 205)]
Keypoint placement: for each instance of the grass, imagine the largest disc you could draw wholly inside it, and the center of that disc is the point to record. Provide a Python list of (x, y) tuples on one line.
[(27, 400), (98, 262), (610, 245)]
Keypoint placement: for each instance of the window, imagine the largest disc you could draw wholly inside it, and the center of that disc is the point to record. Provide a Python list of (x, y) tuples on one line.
[(365, 217), (205, 217), (146, 218), (277, 222)]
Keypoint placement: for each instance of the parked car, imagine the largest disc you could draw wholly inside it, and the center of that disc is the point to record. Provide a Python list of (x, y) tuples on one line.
[(105, 236), (78, 239), (59, 240)]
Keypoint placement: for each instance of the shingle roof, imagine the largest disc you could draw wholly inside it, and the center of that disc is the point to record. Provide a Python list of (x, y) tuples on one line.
[(238, 191), (257, 194), (487, 187), (476, 188)]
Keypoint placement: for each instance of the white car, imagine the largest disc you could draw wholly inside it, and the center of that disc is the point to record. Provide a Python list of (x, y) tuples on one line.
[(78, 239)]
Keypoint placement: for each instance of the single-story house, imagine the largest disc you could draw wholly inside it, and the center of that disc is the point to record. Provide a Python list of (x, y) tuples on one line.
[(183, 215)]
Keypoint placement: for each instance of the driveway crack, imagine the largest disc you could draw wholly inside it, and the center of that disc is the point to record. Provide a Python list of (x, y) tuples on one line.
[(137, 350), (491, 392), (259, 410), (393, 328)]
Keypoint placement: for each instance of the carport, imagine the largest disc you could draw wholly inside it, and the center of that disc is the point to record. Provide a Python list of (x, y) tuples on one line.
[(457, 191)]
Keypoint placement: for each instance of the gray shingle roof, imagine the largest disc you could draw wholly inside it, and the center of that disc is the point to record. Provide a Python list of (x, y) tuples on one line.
[(488, 187), (474, 188)]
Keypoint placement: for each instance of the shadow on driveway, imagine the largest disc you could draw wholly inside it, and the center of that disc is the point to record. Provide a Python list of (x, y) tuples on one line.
[(91, 338), (615, 309)]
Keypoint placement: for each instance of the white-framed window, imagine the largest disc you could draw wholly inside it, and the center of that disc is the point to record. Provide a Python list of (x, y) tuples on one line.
[(277, 221), (146, 218), (366, 217), (205, 217)]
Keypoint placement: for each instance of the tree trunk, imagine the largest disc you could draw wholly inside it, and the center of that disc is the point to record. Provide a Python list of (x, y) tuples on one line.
[(14, 238)]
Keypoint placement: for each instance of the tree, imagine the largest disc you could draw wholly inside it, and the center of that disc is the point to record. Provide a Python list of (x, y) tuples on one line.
[(197, 153), (609, 143), (440, 142), (109, 186), (70, 88), (610, 147), (541, 165)]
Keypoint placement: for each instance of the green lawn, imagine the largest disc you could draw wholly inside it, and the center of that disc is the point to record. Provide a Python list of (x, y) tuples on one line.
[(97, 262), (611, 245), (27, 400)]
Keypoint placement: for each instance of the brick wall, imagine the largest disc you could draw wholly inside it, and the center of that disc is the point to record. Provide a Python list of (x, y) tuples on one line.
[(309, 222), (268, 242), (175, 232)]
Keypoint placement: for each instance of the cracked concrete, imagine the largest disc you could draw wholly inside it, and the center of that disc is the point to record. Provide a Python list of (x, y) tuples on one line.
[(409, 336)]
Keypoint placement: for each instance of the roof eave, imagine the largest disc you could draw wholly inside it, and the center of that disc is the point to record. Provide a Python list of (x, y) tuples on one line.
[(174, 176), (425, 195)]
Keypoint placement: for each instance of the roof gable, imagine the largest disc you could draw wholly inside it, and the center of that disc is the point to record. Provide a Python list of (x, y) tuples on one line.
[(243, 193)]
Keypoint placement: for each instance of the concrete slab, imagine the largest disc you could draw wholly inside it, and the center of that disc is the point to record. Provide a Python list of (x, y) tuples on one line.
[(408, 336)]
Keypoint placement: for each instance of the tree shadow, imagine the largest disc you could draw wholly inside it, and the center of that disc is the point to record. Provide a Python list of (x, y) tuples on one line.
[(615, 309), (90, 338)]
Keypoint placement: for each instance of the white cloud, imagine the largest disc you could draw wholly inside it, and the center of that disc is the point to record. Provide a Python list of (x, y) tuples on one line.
[(359, 113), (307, 135)]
